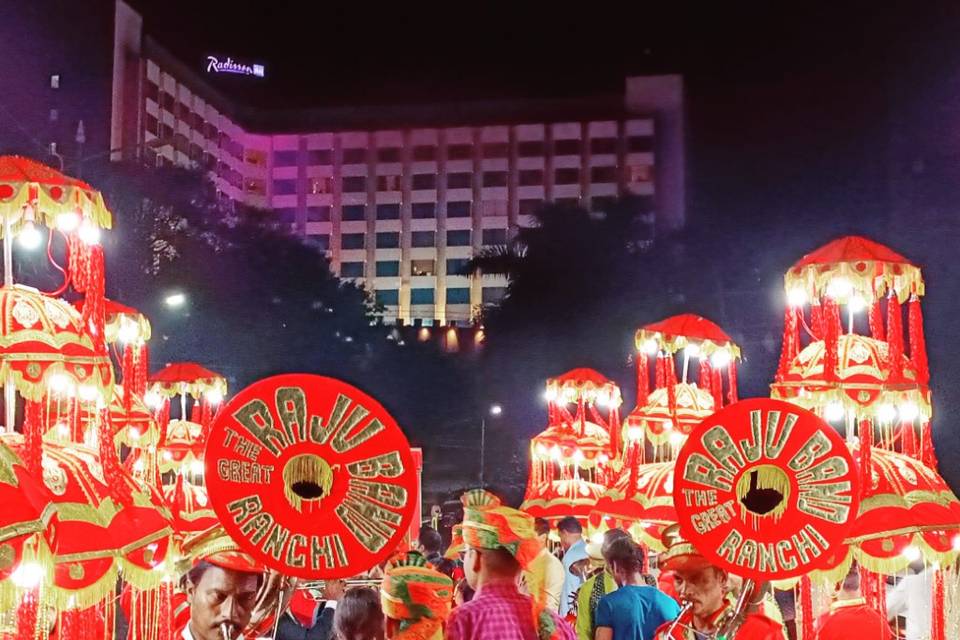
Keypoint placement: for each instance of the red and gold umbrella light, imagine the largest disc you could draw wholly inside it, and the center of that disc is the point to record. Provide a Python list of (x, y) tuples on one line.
[(206, 388), (641, 502), (569, 460)]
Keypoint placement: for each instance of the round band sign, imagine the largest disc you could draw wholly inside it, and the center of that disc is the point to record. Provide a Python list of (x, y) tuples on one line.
[(765, 489), (311, 476)]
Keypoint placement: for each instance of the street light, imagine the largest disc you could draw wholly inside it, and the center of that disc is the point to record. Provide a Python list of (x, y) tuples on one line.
[(175, 300), (495, 410)]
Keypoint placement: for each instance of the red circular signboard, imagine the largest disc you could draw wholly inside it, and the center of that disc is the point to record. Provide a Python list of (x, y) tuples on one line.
[(311, 475), (765, 489)]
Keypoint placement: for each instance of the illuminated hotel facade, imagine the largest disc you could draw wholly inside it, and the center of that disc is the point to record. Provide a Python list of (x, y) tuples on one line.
[(401, 198)]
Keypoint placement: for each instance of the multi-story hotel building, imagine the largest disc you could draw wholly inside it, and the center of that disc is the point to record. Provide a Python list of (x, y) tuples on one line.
[(402, 197)]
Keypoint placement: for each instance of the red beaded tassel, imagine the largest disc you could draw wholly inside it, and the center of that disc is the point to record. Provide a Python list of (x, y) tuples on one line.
[(791, 341), (732, 394), (129, 376), (643, 378), (703, 378), (937, 619), (806, 609), (27, 616), (876, 321), (918, 342), (119, 490), (927, 455), (671, 380), (816, 320), (894, 338), (866, 453), (908, 439), (716, 387), (831, 338), (33, 437), (660, 374)]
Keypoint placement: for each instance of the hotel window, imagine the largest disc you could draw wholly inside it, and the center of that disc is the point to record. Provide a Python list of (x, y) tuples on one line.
[(603, 174), (210, 132), (603, 145), (494, 178), (354, 156), (318, 214), (354, 184), (166, 134), (567, 202), (640, 144), (321, 241), (424, 181), (388, 212), (458, 295), (494, 237), (285, 187), (388, 240), (388, 268), (351, 269), (421, 296), (530, 177), (567, 175), (423, 268), (566, 147), (458, 238), (354, 213), (285, 158), (493, 207), (460, 209), (493, 295), (530, 148), (388, 183), (459, 180), (256, 187), (318, 185), (424, 153), (423, 239), (255, 157), (286, 215), (387, 297), (496, 150), (152, 91), (167, 101), (529, 206), (352, 241), (319, 157), (388, 154), (55, 81), (421, 210), (640, 173), (459, 152), (457, 266), (151, 124)]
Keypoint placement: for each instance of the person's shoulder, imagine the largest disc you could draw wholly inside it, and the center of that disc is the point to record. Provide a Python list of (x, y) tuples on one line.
[(761, 624)]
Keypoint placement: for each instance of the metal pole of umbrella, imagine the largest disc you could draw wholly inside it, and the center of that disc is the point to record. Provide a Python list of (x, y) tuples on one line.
[(9, 391)]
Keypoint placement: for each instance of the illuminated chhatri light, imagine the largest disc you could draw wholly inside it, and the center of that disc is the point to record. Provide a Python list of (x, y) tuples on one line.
[(175, 300), (196, 467), (152, 399), (833, 412), (692, 350), (839, 288), (68, 222), (134, 433), (911, 553), (27, 575), (63, 430), (87, 393), (886, 412), (550, 394), (128, 332), (856, 304), (89, 233), (138, 466), (555, 452), (650, 346), (596, 538), (677, 438), (603, 399), (578, 455), (29, 237), (214, 396), (603, 458), (634, 433), (167, 456), (720, 358), (796, 297), (956, 542), (668, 425), (909, 411), (540, 449)]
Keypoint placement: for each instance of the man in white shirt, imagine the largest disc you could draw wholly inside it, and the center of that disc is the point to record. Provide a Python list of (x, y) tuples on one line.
[(911, 599), (546, 570)]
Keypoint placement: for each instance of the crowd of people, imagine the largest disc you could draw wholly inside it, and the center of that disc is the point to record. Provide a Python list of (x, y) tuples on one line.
[(502, 578)]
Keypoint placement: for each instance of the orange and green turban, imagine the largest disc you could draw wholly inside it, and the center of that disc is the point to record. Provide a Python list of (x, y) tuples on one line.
[(456, 543), (487, 524), (416, 595)]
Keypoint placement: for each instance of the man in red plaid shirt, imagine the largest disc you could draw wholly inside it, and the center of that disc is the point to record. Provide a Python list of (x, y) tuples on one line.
[(498, 542)]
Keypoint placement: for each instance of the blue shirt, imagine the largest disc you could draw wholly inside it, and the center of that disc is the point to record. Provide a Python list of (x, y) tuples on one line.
[(635, 612), (571, 582)]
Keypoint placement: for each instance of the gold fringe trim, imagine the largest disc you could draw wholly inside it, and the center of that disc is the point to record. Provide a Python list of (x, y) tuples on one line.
[(144, 579), (672, 344), (805, 396), (814, 279), (195, 389), (768, 477), (310, 468), (88, 596)]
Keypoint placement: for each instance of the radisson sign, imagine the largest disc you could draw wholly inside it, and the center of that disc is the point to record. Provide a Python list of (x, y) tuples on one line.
[(216, 65)]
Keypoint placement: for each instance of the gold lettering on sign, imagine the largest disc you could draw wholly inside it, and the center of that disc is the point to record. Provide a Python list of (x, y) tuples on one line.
[(330, 550), (292, 410), (748, 554), (295, 556), (705, 471), (718, 442), (255, 417), (391, 495), (825, 501), (728, 548), (276, 541), (386, 465), (786, 563), (767, 557), (344, 440), (816, 446), (371, 524)]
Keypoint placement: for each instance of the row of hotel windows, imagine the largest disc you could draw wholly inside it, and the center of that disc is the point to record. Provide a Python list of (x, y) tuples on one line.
[(391, 239), (391, 268), (462, 180), (454, 295), (428, 153), (428, 210)]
